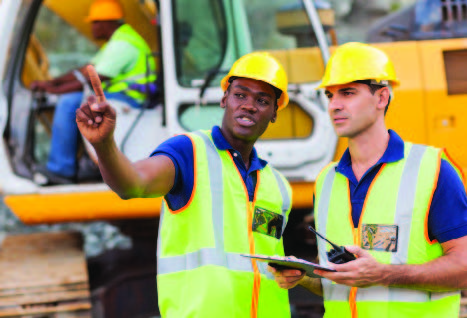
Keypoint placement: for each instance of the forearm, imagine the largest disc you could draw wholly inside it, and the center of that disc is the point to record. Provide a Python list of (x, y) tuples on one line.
[(63, 79), (118, 172), (67, 87), (312, 284), (69, 76), (442, 274)]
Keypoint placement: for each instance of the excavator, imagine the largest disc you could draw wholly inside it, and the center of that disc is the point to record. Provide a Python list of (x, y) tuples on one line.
[(194, 43)]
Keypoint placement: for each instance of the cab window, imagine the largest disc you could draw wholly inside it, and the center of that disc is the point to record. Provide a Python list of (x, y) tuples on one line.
[(54, 48), (199, 38)]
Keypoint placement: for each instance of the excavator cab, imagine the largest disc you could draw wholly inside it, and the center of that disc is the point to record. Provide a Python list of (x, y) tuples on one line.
[(194, 44)]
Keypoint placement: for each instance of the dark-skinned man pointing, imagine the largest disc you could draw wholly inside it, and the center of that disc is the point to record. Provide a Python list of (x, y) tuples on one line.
[(217, 194)]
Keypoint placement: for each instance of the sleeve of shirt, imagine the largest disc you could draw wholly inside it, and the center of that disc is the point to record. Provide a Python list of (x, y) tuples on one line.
[(116, 58), (180, 150), (447, 219)]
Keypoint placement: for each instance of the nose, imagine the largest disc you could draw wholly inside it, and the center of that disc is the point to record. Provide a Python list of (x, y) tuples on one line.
[(249, 106), (334, 104)]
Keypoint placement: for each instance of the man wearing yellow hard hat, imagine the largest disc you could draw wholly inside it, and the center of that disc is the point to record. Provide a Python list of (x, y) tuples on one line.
[(400, 208), (119, 62), (219, 198)]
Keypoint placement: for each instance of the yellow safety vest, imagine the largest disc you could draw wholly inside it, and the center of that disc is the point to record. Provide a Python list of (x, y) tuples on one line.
[(393, 227), (138, 74), (200, 270)]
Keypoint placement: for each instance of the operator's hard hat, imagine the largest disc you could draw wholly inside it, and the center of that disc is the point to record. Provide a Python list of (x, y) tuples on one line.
[(105, 10), (358, 61), (260, 66)]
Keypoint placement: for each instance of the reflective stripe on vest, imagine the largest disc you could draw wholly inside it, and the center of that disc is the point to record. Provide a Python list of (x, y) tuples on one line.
[(178, 263), (138, 73), (285, 198), (404, 206)]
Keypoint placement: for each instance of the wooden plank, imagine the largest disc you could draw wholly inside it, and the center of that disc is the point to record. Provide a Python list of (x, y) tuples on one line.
[(41, 259), (35, 310), (41, 289), (44, 273), (42, 298)]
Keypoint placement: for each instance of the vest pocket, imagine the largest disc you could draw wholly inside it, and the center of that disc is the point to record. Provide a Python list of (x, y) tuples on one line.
[(267, 222)]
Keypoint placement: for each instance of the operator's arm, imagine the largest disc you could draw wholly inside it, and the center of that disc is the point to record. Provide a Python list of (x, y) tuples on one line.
[(69, 76), (65, 83), (69, 82), (150, 177)]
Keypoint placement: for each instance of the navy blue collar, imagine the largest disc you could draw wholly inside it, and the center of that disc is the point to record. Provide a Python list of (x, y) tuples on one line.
[(221, 143), (394, 152)]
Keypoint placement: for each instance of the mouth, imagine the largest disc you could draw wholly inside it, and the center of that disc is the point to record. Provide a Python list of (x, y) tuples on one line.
[(339, 120), (245, 121)]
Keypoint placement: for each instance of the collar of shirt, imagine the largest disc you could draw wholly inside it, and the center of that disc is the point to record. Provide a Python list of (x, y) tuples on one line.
[(222, 144), (394, 152)]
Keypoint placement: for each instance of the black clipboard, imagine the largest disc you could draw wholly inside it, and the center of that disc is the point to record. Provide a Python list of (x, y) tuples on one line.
[(287, 262)]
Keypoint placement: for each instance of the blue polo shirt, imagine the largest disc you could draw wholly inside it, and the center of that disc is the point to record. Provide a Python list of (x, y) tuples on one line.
[(180, 150), (447, 218)]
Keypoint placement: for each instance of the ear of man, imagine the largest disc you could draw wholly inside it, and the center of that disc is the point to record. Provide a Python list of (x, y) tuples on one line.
[(383, 95), (224, 98)]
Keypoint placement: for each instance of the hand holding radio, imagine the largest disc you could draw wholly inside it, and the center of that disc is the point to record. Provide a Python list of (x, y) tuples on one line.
[(338, 254)]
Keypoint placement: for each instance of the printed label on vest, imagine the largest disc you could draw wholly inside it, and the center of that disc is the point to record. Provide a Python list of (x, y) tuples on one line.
[(268, 222), (380, 237)]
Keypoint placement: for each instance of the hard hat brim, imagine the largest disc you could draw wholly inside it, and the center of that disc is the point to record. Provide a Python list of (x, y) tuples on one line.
[(281, 103)]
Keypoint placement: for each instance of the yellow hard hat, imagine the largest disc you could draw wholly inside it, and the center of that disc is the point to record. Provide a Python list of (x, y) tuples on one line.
[(358, 61), (260, 66), (105, 10)]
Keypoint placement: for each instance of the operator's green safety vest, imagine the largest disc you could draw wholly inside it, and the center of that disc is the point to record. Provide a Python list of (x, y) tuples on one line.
[(200, 270), (393, 228), (139, 73)]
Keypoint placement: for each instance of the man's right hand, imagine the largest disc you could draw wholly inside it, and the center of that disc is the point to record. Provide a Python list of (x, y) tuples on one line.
[(96, 121), (287, 278)]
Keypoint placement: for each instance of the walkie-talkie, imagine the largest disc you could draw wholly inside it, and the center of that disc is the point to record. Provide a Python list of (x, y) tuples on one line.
[(338, 254)]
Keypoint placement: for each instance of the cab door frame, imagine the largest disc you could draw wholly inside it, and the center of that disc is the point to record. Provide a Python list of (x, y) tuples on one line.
[(10, 50)]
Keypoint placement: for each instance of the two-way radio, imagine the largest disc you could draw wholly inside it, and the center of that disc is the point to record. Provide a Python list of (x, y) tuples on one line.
[(338, 254)]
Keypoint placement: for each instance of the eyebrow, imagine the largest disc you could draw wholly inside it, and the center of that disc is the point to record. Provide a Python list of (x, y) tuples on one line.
[(245, 88), (342, 90), (346, 89)]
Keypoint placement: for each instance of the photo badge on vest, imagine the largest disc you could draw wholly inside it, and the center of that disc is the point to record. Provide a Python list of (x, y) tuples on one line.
[(379, 237), (268, 222)]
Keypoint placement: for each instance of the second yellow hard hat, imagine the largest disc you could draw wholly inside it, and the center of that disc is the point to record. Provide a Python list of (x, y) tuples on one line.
[(358, 61)]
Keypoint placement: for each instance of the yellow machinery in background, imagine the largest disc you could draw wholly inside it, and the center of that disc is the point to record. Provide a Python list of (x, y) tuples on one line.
[(195, 43)]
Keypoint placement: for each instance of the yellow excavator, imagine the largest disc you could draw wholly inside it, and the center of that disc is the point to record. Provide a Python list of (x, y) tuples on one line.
[(194, 43)]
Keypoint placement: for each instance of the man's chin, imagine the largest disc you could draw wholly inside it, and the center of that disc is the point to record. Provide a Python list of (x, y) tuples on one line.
[(343, 133), (246, 134)]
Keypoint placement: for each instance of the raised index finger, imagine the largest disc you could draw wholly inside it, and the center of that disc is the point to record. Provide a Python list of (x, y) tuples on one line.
[(96, 83)]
